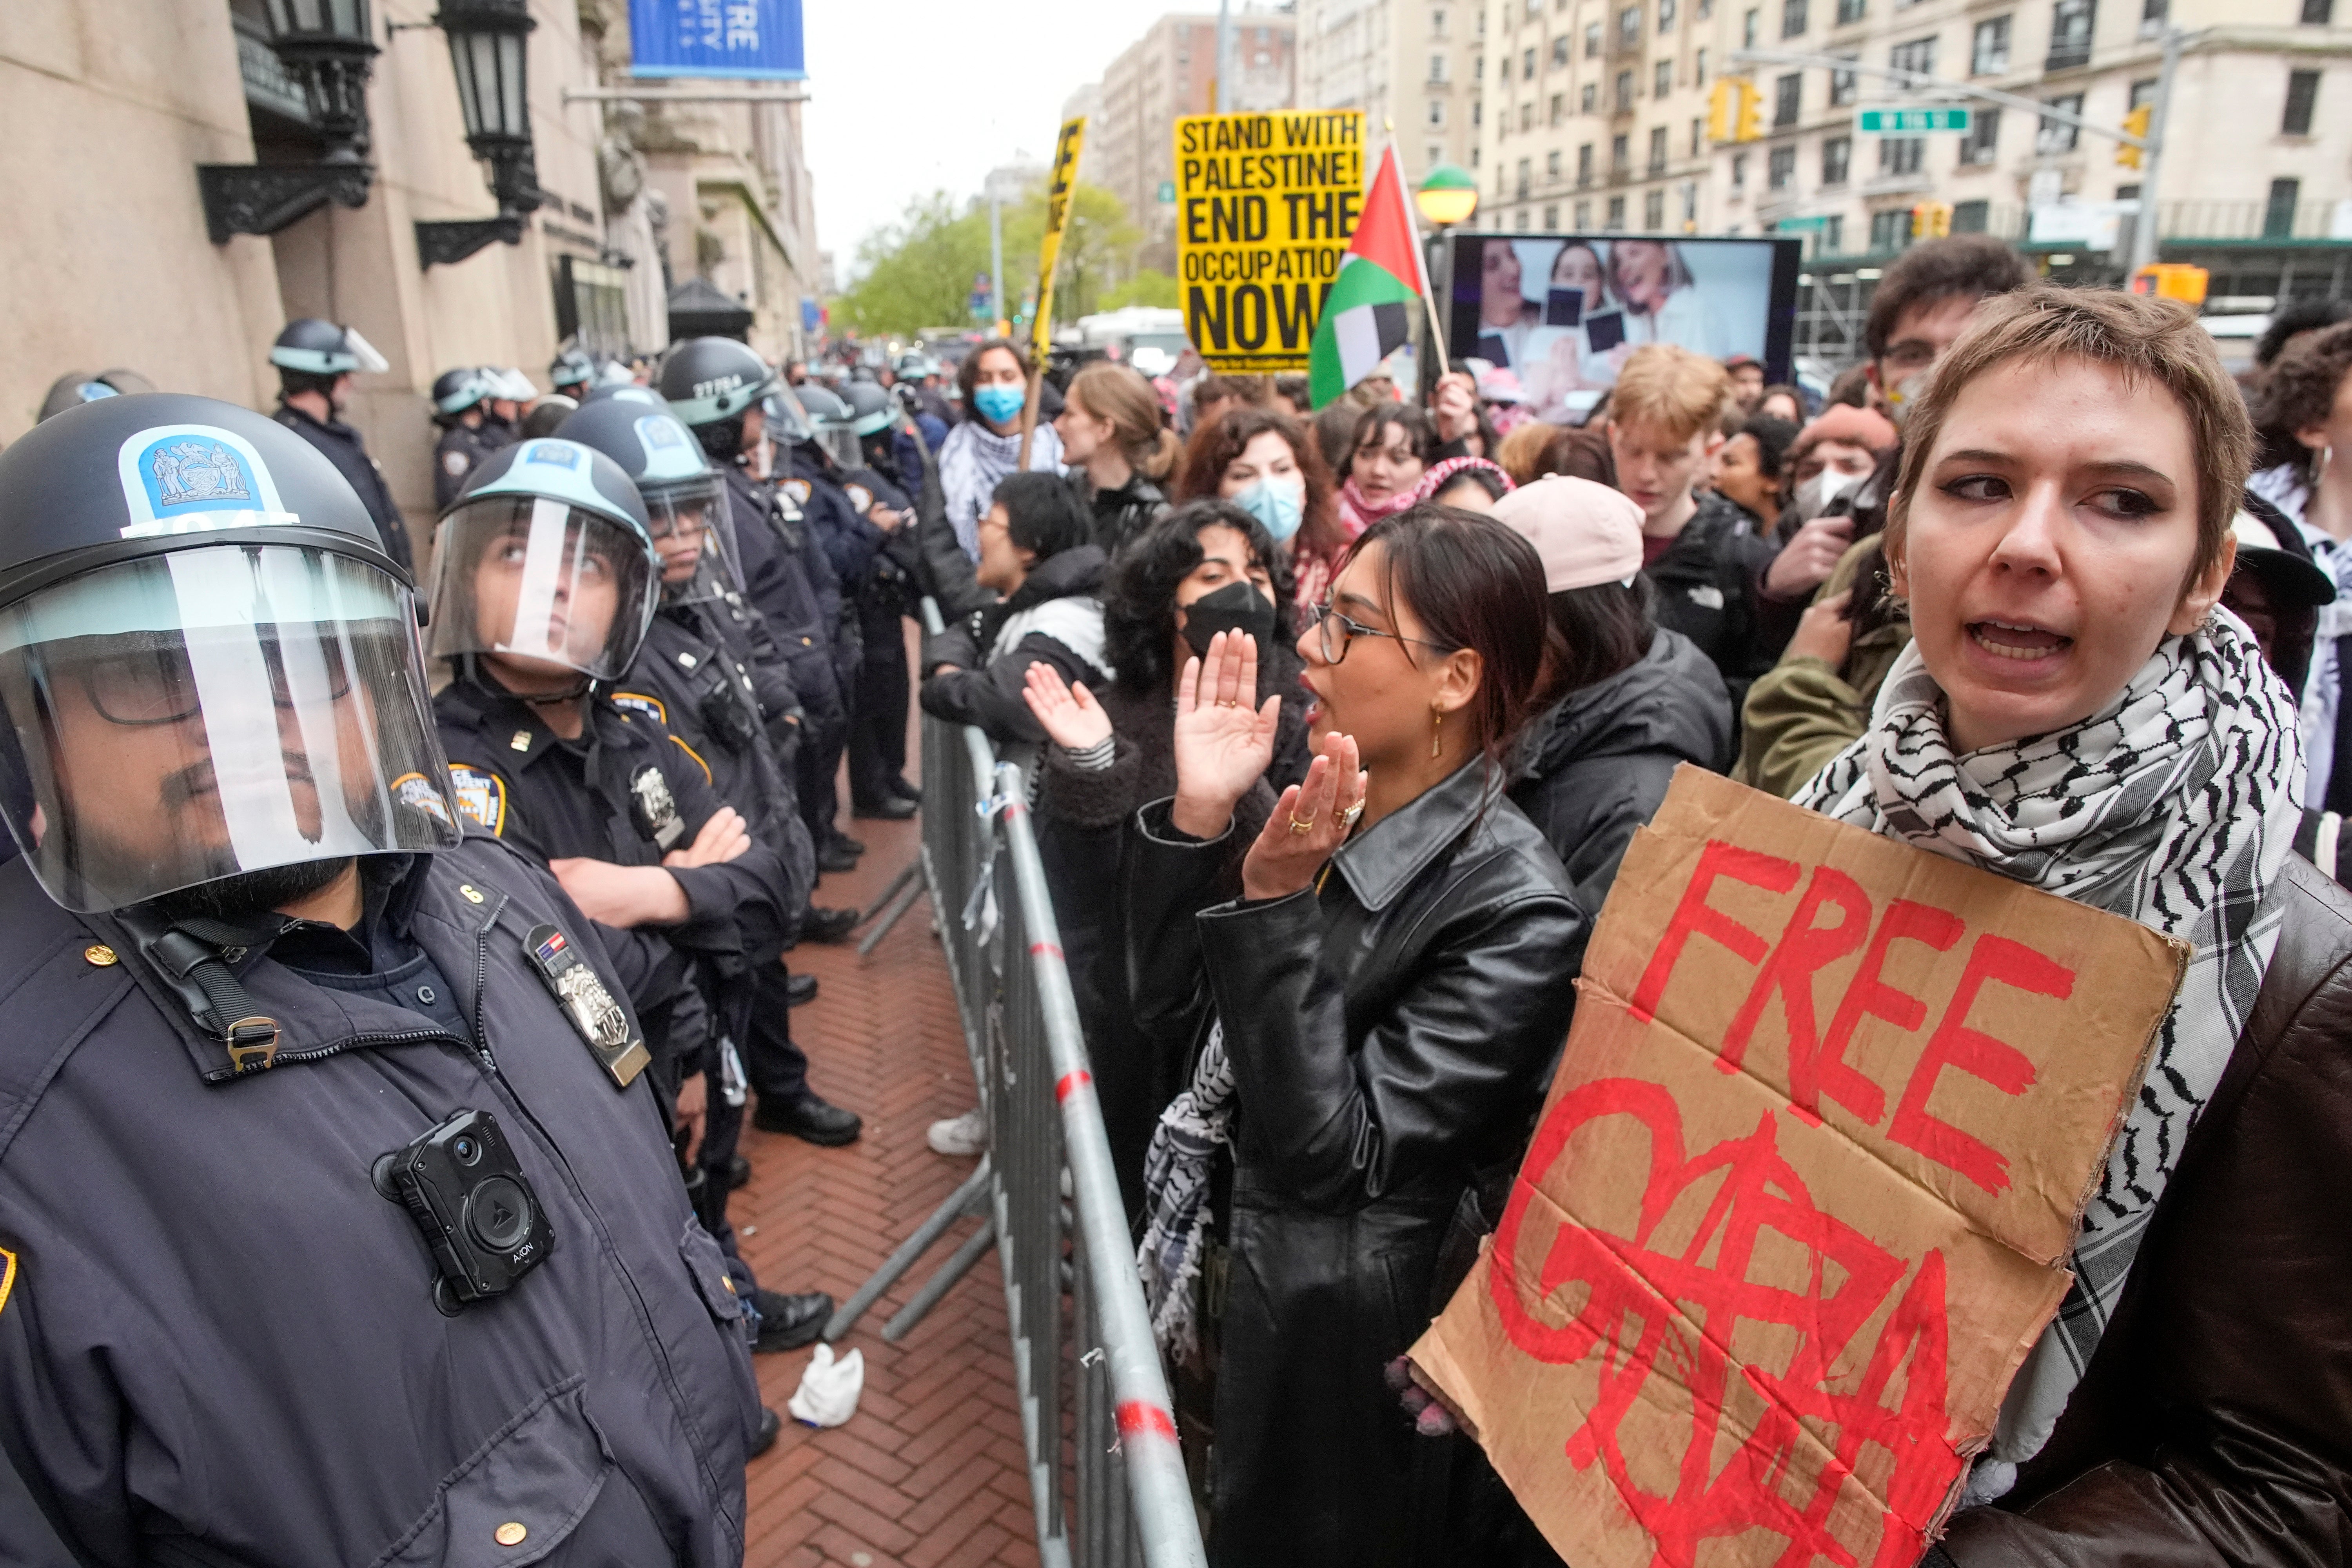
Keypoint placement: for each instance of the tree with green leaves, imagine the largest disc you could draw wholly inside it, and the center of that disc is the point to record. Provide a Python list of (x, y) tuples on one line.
[(918, 272)]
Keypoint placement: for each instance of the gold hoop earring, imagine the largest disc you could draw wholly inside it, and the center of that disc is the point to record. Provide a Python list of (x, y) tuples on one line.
[(1437, 728)]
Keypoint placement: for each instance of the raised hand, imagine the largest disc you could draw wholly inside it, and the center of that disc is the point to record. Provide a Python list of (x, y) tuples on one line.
[(1070, 715), (1312, 819), (1224, 744)]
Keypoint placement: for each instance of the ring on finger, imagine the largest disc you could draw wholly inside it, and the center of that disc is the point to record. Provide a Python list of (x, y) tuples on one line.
[(1298, 826), (1348, 818)]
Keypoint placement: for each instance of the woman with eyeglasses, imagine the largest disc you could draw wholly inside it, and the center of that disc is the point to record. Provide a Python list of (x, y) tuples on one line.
[(1374, 980)]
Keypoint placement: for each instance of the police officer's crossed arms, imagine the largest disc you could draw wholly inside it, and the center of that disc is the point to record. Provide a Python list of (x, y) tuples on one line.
[(321, 1116)]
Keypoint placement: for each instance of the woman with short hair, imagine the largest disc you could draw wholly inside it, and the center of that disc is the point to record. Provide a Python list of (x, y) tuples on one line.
[(2075, 712), (1394, 444)]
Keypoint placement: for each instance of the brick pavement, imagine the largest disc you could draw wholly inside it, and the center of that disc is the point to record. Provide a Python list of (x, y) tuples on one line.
[(930, 1472)]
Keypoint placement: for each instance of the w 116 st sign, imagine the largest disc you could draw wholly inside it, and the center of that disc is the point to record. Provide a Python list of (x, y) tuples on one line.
[(1911, 122)]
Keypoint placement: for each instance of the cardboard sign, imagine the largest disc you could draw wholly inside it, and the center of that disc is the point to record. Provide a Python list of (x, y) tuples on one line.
[(1066, 147), (1264, 206), (1802, 1194)]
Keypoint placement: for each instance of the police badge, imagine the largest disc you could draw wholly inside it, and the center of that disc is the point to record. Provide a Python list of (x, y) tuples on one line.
[(601, 1021), (655, 807)]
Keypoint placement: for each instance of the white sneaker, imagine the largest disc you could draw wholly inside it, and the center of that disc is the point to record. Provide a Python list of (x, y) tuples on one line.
[(959, 1137)]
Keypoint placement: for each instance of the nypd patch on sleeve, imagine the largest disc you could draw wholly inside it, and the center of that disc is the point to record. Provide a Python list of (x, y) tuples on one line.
[(638, 702), (481, 795)]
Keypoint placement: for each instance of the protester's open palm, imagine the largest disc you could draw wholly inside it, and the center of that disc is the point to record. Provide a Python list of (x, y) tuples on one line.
[(1224, 744), (1067, 713)]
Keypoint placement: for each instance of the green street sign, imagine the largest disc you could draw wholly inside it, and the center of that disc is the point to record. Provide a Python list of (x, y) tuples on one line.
[(1168, 191), (1801, 225), (1910, 121)]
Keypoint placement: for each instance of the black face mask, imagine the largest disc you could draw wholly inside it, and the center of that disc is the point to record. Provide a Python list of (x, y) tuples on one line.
[(1235, 607)]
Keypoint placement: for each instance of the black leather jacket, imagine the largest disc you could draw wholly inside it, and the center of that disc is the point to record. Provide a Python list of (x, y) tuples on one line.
[(1389, 1032)]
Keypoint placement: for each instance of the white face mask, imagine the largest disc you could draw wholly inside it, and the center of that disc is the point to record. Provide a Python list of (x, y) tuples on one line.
[(1904, 396), (1814, 496)]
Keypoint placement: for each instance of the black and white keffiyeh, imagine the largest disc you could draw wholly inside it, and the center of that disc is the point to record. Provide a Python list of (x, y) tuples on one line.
[(1177, 1169), (973, 459), (2175, 805)]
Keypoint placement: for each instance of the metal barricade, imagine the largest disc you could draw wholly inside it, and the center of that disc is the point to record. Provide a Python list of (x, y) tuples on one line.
[(1109, 1487)]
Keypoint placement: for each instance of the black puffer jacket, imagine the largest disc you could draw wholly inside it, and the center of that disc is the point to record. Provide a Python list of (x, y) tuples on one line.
[(1597, 765), (1054, 617), (1706, 589), (1388, 1032)]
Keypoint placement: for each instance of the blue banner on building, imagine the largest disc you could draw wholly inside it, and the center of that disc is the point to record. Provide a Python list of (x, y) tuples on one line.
[(756, 39)]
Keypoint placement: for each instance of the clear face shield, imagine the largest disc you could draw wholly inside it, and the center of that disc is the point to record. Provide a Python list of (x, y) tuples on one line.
[(537, 585), (840, 444), (694, 540), (186, 717)]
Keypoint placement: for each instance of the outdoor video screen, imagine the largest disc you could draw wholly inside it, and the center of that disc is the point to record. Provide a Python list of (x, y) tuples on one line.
[(1562, 312)]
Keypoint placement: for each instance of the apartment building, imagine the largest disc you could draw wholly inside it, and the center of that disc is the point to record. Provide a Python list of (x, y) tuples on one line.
[(1413, 65), (1596, 115), (1171, 71)]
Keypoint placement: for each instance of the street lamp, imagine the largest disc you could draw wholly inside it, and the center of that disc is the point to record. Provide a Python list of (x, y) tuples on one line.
[(1448, 196), (490, 52), (329, 46)]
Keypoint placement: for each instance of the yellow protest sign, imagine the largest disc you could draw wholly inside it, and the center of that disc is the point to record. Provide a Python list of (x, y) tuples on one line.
[(1265, 207), (1057, 223)]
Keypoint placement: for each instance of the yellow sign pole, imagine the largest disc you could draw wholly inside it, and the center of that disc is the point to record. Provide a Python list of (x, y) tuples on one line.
[(1049, 252)]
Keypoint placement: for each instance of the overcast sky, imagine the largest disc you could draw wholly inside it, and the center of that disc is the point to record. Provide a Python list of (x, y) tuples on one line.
[(906, 97)]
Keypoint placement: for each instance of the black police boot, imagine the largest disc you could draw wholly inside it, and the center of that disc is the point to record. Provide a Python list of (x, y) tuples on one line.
[(833, 856), (739, 1172), (808, 1119), (799, 990), (788, 1322), (770, 1423), (835, 835), (903, 790), (828, 926), (894, 809)]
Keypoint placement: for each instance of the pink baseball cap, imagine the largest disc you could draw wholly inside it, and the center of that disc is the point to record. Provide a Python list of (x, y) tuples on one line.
[(1585, 532)]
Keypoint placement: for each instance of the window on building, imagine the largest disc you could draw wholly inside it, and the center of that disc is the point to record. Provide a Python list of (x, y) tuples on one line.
[(2070, 34), (1654, 211), (1523, 220), (1502, 69), (2301, 96), (1788, 97), (1779, 168), (1624, 90), (1591, 40), (1837, 154), (1658, 149), (1988, 51), (1436, 154), (1918, 55), (1438, 64), (1739, 171), (1526, 117), (1481, 28), (1478, 111), (1690, 203), (1589, 101), (2142, 92), (1584, 165), (1890, 231), (1525, 180), (1559, 50), (1583, 217), (1849, 11), (1558, 108), (1706, 9), (2278, 213), (1748, 30), (1477, 68), (1900, 154), (1551, 217), (1527, 66), (1616, 214), (1662, 80), (1792, 17), (1830, 238), (2152, 14), (1698, 137), (1983, 139), (1971, 217), (1551, 164), (1621, 157), (1437, 111), (2054, 136), (1473, 146), (1629, 27), (1699, 68), (2318, 12), (1665, 16), (1437, 23), (1844, 86)]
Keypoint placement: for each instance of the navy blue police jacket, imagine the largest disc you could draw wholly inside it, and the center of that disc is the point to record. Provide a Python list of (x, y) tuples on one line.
[(341, 445), (217, 1342)]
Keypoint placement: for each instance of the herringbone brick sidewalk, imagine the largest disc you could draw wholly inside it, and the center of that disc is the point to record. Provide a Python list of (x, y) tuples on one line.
[(930, 1473)]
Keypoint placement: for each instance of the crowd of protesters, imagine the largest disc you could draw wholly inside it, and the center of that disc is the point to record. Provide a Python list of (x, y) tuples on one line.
[(1340, 737)]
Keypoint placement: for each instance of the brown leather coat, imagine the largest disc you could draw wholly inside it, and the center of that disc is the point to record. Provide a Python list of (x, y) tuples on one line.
[(2215, 1423)]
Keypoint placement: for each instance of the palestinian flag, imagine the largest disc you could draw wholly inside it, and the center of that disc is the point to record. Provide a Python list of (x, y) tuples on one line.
[(1368, 315)]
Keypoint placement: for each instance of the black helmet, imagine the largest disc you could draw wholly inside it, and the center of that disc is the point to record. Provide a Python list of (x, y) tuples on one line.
[(706, 380), (313, 347), (77, 387), (544, 533), (870, 408), (547, 414), (208, 665), (787, 418), (454, 391), (571, 368), (685, 496)]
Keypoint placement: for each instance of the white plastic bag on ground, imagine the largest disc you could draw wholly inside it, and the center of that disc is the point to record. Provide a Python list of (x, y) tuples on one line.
[(828, 1392)]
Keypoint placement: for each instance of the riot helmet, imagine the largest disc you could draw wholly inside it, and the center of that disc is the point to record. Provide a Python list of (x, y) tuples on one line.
[(547, 414), (784, 416), (685, 495), (544, 560), (512, 384), (571, 369), (208, 665), (77, 387), (456, 391), (835, 423), (711, 383), (313, 347), (873, 415)]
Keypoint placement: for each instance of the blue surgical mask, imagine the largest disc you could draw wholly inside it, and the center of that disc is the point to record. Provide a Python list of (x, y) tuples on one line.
[(999, 403), (1278, 503)]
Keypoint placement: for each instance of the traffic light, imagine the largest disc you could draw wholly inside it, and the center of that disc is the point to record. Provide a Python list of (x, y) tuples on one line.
[(1931, 220), (1735, 110), (2135, 124), (2172, 281), (1751, 112)]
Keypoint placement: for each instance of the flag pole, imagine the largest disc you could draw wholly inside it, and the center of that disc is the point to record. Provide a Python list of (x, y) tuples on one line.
[(1420, 257)]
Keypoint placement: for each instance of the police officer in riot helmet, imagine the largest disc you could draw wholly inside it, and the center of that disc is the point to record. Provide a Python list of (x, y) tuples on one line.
[(461, 407), (572, 372), (77, 387), (702, 673), (722, 390), (509, 390), (546, 580), (315, 361), (852, 455), (277, 1020)]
